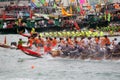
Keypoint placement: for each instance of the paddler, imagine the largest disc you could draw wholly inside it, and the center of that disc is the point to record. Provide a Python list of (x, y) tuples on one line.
[(107, 41), (40, 41), (75, 40), (69, 41), (37, 41), (114, 42), (20, 43), (54, 42), (32, 31), (97, 39), (47, 46), (30, 41), (61, 41)]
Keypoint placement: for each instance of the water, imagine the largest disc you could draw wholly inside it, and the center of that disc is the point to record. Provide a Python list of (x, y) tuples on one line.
[(15, 65)]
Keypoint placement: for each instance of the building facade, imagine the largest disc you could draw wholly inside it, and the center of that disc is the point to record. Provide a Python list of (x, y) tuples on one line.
[(4, 3)]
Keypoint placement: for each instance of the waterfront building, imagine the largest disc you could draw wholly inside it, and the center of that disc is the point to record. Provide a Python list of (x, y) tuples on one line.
[(4, 3)]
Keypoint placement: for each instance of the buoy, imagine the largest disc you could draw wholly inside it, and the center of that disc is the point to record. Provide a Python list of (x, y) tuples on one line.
[(32, 66)]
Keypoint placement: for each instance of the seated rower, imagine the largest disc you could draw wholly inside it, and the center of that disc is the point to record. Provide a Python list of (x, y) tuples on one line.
[(114, 42), (30, 41), (47, 49), (20, 43), (116, 49)]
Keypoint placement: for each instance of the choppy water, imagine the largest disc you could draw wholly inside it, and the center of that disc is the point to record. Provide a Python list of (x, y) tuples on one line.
[(15, 65)]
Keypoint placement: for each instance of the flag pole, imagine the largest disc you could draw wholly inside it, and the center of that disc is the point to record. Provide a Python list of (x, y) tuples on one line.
[(5, 41)]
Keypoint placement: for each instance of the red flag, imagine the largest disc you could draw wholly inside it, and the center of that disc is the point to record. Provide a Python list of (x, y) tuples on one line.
[(4, 15), (76, 26), (31, 14)]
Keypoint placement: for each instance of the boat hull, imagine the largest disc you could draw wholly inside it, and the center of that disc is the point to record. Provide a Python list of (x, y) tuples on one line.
[(30, 52), (4, 45)]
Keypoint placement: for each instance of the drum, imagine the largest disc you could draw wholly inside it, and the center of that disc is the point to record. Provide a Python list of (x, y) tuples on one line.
[(55, 53)]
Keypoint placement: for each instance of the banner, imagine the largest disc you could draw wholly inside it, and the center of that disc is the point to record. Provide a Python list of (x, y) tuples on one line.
[(35, 3), (82, 1)]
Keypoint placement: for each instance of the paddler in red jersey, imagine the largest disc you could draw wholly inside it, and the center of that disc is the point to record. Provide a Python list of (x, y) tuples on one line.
[(37, 42), (30, 41), (105, 41), (48, 47), (42, 42), (54, 42)]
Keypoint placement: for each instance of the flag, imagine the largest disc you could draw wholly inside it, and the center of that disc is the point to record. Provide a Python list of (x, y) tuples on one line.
[(76, 26), (72, 0), (82, 1), (70, 9), (65, 13), (42, 1), (33, 3), (109, 16), (36, 3), (78, 9), (54, 6)]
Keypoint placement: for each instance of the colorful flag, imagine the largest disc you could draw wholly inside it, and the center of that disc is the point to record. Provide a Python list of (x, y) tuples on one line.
[(109, 16), (76, 26), (72, 0), (65, 13), (35, 3), (71, 10), (54, 5), (82, 1), (42, 1), (78, 9)]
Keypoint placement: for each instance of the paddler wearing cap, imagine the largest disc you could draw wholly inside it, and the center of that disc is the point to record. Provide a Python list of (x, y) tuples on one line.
[(20, 43)]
